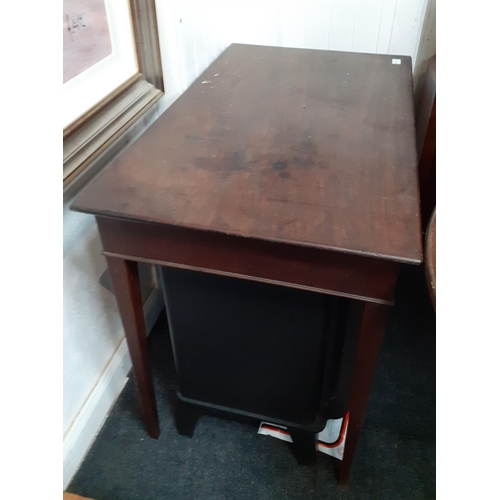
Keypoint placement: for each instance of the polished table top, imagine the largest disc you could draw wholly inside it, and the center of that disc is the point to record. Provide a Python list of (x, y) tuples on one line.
[(308, 147)]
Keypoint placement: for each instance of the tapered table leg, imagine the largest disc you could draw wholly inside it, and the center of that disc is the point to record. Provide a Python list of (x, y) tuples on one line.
[(370, 320), (125, 277)]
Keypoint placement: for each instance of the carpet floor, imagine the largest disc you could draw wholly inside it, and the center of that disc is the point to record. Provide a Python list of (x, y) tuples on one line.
[(226, 459)]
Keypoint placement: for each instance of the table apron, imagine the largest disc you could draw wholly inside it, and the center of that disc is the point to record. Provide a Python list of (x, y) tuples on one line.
[(334, 273)]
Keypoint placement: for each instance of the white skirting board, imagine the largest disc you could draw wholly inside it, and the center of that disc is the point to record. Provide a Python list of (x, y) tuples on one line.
[(94, 411)]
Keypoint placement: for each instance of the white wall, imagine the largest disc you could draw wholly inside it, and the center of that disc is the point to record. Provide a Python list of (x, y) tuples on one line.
[(89, 309), (192, 34), (95, 358), (427, 45)]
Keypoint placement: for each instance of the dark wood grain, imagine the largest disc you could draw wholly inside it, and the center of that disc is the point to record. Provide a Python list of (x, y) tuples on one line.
[(367, 324), (289, 145), (334, 273), (125, 277)]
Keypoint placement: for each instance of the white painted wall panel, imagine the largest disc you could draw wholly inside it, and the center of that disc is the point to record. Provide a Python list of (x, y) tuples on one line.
[(427, 42), (293, 30), (386, 26), (407, 26), (208, 27), (92, 327), (366, 27), (342, 21)]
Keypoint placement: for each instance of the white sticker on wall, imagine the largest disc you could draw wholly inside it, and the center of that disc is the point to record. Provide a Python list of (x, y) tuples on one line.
[(396, 61)]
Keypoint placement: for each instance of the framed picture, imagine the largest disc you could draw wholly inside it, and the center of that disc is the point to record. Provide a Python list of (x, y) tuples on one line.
[(111, 75)]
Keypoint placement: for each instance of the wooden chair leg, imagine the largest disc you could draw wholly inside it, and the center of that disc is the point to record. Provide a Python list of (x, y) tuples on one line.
[(125, 277), (370, 319)]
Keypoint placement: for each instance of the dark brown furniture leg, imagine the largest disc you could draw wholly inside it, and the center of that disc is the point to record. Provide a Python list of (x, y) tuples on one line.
[(186, 417), (303, 446), (372, 319), (125, 277)]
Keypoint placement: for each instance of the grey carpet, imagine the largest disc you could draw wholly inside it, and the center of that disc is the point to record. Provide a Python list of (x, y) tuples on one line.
[(226, 459)]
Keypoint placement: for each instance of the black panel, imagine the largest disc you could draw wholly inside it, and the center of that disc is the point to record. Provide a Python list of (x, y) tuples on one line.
[(251, 347)]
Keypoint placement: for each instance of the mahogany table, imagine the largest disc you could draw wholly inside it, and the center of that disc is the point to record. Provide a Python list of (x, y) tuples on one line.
[(285, 166)]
